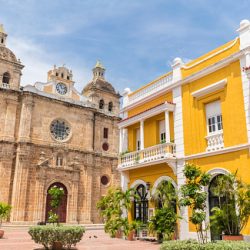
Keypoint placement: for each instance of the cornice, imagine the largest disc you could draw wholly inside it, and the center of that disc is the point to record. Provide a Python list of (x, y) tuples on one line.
[(208, 70)]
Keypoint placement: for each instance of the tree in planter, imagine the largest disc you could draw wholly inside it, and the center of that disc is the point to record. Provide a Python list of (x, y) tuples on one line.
[(56, 194), (164, 221), (233, 211), (194, 196), (112, 207), (4, 214)]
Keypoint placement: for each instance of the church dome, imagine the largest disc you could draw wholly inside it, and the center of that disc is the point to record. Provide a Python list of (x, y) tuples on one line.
[(98, 81), (7, 54), (101, 85)]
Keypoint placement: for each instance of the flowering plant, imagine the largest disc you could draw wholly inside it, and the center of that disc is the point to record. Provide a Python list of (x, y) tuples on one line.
[(245, 69)]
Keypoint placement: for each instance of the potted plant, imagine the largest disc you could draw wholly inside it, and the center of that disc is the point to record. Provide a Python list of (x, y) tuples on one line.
[(134, 226), (4, 214), (233, 211), (113, 208)]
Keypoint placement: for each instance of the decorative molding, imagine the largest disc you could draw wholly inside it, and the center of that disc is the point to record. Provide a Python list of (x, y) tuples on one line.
[(209, 89), (161, 179), (221, 151), (216, 171), (208, 70), (137, 183), (212, 55)]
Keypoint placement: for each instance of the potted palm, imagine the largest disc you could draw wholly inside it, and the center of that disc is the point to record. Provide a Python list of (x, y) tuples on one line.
[(233, 211), (133, 227), (4, 214)]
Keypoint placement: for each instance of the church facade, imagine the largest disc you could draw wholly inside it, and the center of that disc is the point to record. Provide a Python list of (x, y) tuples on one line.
[(50, 134)]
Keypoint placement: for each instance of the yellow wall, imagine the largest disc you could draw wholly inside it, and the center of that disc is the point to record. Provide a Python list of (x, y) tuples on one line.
[(193, 68), (232, 105), (147, 105), (235, 161), (151, 131), (150, 174)]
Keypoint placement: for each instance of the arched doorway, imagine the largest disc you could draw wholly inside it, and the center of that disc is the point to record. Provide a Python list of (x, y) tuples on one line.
[(141, 204), (62, 210), (214, 201)]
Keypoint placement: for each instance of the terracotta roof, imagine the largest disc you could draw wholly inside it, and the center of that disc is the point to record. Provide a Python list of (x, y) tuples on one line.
[(145, 111)]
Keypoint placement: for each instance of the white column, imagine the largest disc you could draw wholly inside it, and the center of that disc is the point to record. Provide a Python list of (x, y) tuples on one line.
[(142, 134), (244, 34), (121, 140), (167, 128)]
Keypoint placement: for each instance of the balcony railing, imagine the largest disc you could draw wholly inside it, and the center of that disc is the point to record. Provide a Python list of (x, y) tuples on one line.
[(5, 85), (155, 87), (151, 154), (215, 141)]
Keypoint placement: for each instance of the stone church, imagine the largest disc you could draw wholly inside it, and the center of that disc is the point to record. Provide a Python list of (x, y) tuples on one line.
[(50, 134)]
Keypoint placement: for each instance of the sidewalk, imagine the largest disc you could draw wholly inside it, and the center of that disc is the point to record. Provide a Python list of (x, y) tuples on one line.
[(19, 239)]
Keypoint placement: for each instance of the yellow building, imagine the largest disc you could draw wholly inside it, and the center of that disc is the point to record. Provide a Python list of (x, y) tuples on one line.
[(199, 113)]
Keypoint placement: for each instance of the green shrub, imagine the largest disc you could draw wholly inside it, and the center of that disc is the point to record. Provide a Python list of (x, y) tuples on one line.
[(46, 235), (194, 245)]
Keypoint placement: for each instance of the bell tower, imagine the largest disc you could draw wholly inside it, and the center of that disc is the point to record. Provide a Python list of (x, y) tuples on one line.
[(10, 67), (3, 36), (98, 71)]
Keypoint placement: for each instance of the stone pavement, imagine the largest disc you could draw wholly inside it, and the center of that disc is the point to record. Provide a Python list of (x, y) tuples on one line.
[(19, 239)]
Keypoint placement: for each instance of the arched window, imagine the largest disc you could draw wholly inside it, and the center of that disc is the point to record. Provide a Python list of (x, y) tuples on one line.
[(141, 204), (6, 78), (59, 160), (62, 75), (215, 200), (101, 104), (110, 107)]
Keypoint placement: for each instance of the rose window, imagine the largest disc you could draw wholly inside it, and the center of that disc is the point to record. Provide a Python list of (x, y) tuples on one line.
[(60, 130)]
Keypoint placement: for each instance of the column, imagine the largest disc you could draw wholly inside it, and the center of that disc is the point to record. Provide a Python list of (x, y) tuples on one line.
[(10, 119), (167, 128), (142, 134), (184, 224), (25, 120), (121, 140), (19, 195)]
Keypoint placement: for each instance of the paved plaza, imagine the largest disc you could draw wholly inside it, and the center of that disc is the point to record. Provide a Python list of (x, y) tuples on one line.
[(19, 239)]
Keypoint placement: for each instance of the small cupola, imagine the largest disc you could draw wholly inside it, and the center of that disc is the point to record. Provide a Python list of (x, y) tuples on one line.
[(3, 36), (98, 71)]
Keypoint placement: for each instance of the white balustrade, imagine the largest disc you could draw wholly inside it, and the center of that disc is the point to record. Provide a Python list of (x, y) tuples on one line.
[(5, 85), (151, 89), (151, 154), (215, 141)]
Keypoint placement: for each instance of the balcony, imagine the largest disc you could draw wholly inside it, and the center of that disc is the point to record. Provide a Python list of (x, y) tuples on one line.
[(5, 85), (215, 141), (154, 155)]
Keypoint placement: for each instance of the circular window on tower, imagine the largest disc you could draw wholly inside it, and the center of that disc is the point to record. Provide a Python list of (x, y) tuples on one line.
[(60, 130), (105, 180), (105, 146)]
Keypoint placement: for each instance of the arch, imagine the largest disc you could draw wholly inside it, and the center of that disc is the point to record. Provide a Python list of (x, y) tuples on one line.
[(217, 171), (62, 210), (161, 179), (212, 200), (6, 78), (138, 182), (101, 104), (141, 204), (110, 106)]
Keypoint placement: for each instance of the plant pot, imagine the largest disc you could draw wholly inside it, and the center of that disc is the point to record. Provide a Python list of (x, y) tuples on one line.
[(1, 233), (232, 237), (131, 235), (118, 234), (57, 245)]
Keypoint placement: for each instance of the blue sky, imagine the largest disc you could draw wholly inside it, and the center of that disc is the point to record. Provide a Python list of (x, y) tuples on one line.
[(135, 39)]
